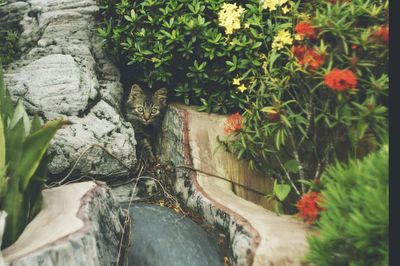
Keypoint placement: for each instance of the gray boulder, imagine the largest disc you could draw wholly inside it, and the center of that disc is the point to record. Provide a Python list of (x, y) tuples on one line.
[(54, 84), (64, 72), (161, 237), (104, 127)]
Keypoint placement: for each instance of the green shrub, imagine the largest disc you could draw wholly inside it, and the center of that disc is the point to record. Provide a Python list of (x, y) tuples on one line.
[(322, 99), (182, 44), (354, 228), (309, 77), (23, 163)]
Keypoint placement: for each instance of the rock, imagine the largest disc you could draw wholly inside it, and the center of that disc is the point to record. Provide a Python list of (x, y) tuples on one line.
[(142, 188), (54, 83), (63, 72), (103, 127), (79, 224), (162, 237)]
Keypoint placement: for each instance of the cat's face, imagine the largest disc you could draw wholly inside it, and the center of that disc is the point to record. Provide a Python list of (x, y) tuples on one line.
[(147, 108)]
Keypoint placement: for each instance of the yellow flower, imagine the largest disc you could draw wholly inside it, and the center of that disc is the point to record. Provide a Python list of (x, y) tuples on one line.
[(242, 88), (272, 4), (229, 17), (303, 16), (299, 37), (236, 81), (246, 25), (285, 9), (282, 38)]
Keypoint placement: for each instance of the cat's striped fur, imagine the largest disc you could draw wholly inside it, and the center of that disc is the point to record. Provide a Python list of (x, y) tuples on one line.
[(144, 112)]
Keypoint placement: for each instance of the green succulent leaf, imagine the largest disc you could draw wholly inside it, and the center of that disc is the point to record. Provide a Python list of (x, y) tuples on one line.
[(34, 148), (20, 113), (12, 205), (2, 146), (14, 143)]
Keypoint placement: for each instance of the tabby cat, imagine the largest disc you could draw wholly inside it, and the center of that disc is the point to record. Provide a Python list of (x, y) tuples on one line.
[(144, 112)]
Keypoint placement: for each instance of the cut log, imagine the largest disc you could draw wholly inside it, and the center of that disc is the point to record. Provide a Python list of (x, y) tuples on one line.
[(257, 235), (79, 224)]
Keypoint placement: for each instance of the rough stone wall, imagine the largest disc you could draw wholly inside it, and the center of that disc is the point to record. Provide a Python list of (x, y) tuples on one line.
[(63, 72)]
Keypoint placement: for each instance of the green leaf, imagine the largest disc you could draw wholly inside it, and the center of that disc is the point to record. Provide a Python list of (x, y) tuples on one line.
[(3, 180), (34, 148), (20, 113), (14, 140), (35, 124), (2, 146), (292, 166), (15, 219), (286, 121), (278, 207), (281, 191)]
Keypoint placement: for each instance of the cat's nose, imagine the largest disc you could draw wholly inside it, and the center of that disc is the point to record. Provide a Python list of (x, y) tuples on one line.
[(146, 117)]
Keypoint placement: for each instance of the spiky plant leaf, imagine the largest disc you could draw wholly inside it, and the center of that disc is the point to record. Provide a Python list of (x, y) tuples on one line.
[(14, 140), (3, 182), (35, 124), (15, 219), (34, 148), (20, 113)]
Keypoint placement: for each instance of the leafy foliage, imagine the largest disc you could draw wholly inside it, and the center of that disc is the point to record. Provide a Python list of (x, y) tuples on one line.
[(324, 98), (23, 163), (308, 77), (354, 228), (181, 44)]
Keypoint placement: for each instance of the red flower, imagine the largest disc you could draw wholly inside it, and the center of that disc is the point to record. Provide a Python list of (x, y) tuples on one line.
[(340, 80), (309, 207), (299, 51), (313, 59), (306, 29), (382, 34), (308, 57), (233, 123)]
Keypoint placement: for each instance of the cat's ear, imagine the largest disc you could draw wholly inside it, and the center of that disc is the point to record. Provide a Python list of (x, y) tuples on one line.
[(160, 97), (136, 93)]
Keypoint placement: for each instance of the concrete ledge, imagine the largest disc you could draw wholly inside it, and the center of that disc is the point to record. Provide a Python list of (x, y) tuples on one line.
[(79, 224), (257, 235)]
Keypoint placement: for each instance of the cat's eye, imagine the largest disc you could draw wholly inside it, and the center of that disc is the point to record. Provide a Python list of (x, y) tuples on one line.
[(140, 109), (154, 111)]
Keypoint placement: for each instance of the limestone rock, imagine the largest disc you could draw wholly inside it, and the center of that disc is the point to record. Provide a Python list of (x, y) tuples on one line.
[(63, 72), (54, 83), (104, 127), (142, 188)]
